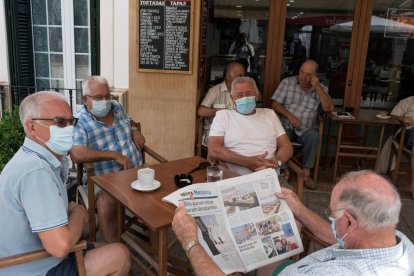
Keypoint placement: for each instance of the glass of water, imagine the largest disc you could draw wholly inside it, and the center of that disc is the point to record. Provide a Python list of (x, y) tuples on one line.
[(214, 173)]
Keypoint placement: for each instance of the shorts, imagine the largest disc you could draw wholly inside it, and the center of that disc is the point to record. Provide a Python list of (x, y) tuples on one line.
[(67, 267)]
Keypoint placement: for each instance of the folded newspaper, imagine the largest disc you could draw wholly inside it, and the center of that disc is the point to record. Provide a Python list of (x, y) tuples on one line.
[(242, 224)]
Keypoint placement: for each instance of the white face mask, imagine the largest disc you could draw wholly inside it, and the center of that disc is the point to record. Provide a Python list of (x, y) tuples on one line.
[(61, 139), (100, 108)]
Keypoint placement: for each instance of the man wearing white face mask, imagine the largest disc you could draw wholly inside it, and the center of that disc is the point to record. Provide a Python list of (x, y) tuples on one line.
[(248, 139), (35, 212), (364, 212), (107, 136)]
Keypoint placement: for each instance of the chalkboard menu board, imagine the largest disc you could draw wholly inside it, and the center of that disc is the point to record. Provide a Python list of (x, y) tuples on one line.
[(164, 36)]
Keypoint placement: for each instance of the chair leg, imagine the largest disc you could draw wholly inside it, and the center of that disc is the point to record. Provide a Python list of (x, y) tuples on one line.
[(80, 263)]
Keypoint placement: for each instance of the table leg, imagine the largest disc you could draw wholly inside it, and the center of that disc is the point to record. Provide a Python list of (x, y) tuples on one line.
[(162, 252), (120, 220), (394, 174), (379, 146), (338, 145)]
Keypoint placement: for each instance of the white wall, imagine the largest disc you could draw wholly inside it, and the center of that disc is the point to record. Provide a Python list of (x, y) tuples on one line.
[(4, 62), (114, 42)]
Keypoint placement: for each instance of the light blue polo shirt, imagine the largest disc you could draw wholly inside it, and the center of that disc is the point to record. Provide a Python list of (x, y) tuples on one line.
[(33, 199)]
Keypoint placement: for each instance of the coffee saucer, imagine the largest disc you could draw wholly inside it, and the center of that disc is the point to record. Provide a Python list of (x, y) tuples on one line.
[(138, 186)]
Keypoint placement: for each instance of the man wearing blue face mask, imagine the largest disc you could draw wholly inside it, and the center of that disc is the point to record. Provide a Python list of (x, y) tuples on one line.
[(247, 138), (35, 212), (363, 213), (107, 136)]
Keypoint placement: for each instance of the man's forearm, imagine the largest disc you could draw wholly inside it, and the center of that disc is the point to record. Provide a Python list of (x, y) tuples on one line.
[(80, 154), (202, 264), (280, 109), (326, 101), (204, 111), (226, 155), (75, 226)]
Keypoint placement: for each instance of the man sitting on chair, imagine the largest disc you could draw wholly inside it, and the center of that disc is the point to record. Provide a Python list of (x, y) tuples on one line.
[(218, 97), (363, 213), (107, 136), (35, 213), (404, 110), (247, 138), (297, 99)]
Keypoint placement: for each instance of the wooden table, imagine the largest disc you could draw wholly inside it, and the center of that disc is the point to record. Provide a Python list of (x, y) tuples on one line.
[(364, 118), (149, 208)]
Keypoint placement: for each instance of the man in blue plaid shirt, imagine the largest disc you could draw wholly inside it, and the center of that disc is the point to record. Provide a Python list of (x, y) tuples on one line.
[(297, 100), (107, 136)]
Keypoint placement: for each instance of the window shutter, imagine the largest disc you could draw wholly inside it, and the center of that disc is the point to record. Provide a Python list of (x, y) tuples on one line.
[(20, 43), (95, 37)]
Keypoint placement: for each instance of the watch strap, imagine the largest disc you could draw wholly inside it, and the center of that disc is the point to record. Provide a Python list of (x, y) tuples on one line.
[(190, 245)]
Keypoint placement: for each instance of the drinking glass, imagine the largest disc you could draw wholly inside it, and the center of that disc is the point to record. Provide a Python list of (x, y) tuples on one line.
[(214, 173)]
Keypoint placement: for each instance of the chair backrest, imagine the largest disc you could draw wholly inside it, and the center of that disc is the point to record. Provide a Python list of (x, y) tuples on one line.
[(43, 254)]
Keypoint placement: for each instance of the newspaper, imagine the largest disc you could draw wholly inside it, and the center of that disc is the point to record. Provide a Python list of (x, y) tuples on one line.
[(241, 223)]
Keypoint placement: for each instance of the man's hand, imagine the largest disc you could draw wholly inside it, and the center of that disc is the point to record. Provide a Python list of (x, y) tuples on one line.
[(314, 80), (294, 121), (138, 139), (122, 160), (291, 199), (184, 226), (77, 209), (259, 162)]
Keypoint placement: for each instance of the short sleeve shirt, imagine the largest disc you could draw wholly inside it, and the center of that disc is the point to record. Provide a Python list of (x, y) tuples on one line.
[(248, 135), (217, 96), (91, 133), (404, 108), (301, 104), (395, 260), (33, 199)]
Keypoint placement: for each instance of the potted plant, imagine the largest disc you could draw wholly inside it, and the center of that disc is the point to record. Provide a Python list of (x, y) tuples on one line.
[(11, 136)]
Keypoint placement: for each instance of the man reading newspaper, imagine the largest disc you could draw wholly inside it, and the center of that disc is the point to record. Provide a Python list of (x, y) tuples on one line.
[(363, 214)]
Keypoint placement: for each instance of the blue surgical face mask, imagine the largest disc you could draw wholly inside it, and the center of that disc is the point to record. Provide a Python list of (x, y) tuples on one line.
[(61, 139), (339, 240), (100, 108), (246, 105)]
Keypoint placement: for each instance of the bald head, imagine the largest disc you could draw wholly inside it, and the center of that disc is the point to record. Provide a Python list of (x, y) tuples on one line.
[(370, 197)]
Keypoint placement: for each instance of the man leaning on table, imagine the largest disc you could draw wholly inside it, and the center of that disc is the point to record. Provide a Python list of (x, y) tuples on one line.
[(363, 213), (35, 213), (107, 136), (218, 97), (297, 100), (247, 138)]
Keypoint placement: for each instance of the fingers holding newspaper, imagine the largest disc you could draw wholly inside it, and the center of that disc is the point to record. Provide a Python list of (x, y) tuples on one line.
[(292, 200), (184, 226)]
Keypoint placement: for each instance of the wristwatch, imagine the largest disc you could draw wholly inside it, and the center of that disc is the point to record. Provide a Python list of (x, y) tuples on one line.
[(190, 245), (278, 163)]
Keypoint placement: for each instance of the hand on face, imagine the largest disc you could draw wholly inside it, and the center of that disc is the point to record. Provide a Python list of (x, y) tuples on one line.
[(314, 80), (184, 226)]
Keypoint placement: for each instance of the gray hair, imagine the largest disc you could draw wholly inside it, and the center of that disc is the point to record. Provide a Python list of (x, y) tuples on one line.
[(86, 82), (244, 80), (31, 106), (373, 209), (311, 61)]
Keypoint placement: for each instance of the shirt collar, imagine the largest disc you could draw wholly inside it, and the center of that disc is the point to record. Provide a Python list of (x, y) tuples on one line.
[(223, 87), (42, 152)]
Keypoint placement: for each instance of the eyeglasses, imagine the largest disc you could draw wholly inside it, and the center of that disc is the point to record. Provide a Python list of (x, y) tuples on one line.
[(335, 214), (59, 121), (100, 98)]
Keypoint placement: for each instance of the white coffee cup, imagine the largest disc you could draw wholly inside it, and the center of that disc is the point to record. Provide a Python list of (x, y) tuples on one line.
[(146, 177)]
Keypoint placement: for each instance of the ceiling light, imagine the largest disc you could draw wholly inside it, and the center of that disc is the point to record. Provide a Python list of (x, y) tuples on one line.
[(288, 4), (292, 1), (301, 13), (238, 6)]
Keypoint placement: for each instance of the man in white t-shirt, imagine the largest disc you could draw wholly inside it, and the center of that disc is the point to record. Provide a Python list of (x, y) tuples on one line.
[(248, 139)]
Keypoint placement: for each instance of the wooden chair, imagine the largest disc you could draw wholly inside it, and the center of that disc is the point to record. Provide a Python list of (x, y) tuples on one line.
[(43, 254), (403, 155), (87, 194), (310, 241), (201, 150)]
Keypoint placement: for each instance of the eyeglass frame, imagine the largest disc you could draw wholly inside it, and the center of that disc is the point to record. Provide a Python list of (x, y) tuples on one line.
[(72, 121), (101, 98)]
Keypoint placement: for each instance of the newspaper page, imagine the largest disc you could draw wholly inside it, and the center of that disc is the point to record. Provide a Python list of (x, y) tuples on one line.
[(242, 224)]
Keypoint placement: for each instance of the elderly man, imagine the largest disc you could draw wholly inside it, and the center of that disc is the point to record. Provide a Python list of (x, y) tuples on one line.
[(247, 138), (363, 213), (35, 213), (297, 100), (404, 110), (107, 136), (218, 97)]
